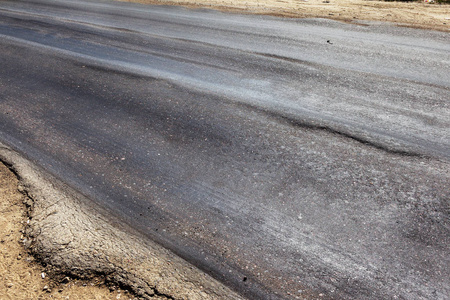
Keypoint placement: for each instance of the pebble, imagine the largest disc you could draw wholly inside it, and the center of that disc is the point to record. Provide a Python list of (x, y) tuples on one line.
[(43, 275), (9, 285), (65, 280)]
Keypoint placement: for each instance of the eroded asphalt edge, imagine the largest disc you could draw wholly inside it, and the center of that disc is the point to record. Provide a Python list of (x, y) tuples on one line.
[(72, 236)]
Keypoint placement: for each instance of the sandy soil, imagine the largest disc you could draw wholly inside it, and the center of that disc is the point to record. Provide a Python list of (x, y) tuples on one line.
[(413, 14), (21, 277)]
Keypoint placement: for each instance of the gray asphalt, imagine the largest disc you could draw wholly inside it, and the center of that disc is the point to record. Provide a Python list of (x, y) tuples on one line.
[(288, 158)]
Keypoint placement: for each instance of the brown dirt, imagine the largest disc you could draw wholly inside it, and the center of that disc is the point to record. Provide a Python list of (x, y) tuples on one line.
[(20, 275), (412, 14)]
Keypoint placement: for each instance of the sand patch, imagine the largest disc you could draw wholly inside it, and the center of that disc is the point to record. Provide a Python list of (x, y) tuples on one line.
[(412, 14)]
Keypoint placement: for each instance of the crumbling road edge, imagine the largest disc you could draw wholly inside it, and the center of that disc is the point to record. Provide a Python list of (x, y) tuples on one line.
[(76, 239)]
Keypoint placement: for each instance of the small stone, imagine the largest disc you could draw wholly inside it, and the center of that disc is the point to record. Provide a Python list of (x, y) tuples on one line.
[(42, 275), (47, 289), (9, 285), (65, 280)]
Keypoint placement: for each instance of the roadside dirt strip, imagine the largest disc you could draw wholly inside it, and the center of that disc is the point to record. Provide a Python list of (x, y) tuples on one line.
[(416, 14), (73, 238), (21, 276)]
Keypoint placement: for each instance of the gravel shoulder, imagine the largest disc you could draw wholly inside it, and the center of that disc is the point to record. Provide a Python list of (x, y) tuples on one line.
[(411, 14)]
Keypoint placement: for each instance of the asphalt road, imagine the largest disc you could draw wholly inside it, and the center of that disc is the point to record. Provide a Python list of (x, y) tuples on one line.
[(288, 158)]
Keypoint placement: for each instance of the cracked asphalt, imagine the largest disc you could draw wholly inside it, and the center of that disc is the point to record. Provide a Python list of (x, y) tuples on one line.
[(287, 158)]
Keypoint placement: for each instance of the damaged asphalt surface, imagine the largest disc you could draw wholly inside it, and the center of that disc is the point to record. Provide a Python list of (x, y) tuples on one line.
[(286, 158)]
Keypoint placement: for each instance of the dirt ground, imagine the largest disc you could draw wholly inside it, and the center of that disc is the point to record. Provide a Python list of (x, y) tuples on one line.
[(21, 277), (424, 15)]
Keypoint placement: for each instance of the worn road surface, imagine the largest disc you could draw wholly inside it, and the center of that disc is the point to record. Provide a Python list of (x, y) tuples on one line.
[(288, 158)]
